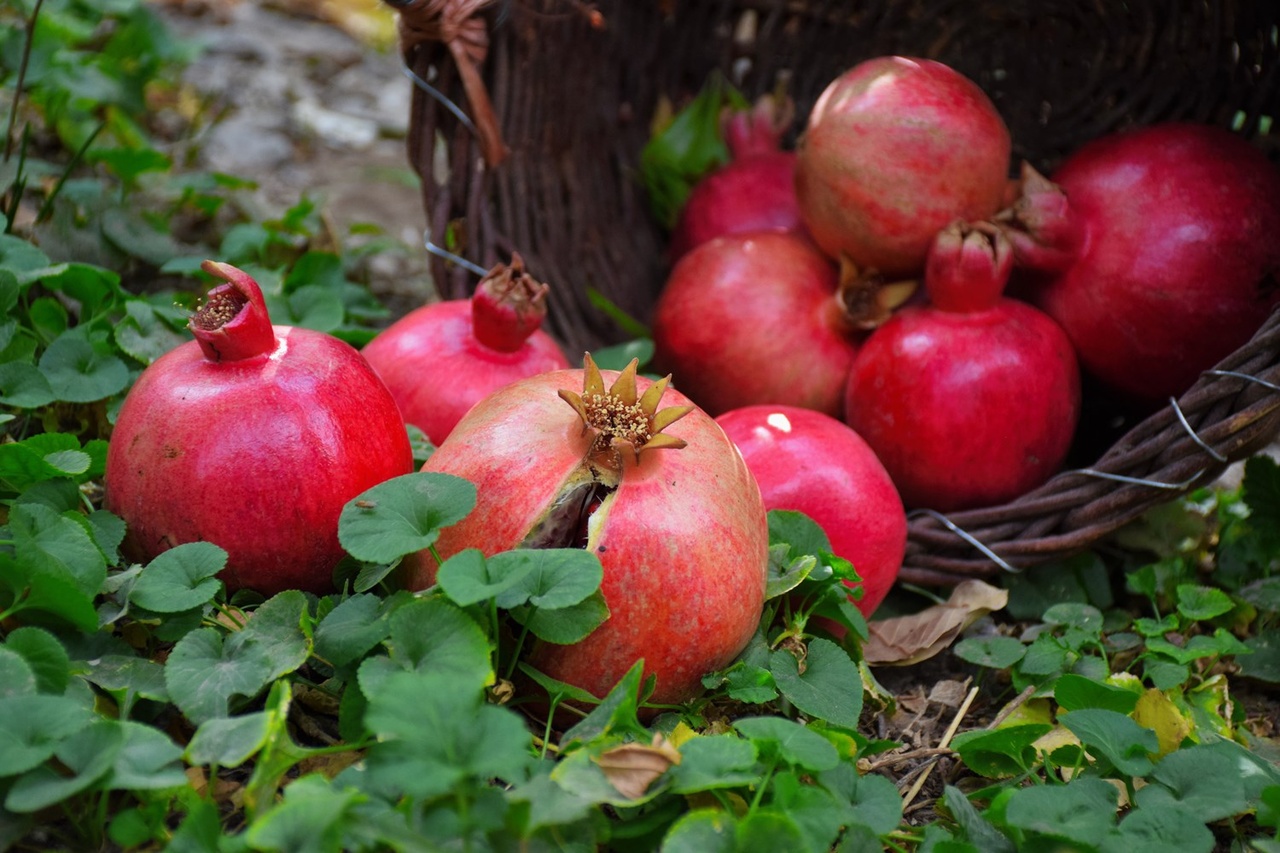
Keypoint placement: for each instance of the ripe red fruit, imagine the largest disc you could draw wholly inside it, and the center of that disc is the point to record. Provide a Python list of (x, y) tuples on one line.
[(815, 464), (441, 359), (251, 437), (968, 401), (755, 318), (1158, 251), (896, 148), (755, 191), (671, 510)]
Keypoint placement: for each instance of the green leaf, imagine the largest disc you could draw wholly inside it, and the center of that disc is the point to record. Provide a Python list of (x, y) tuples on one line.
[(352, 629), (32, 726), (1261, 493), (616, 714), (180, 578), (79, 372), (134, 675), (1002, 752), (709, 762), (702, 831), (148, 761), (977, 829), (468, 578), (549, 805), (1127, 745), (432, 636), (1263, 663), (435, 736), (49, 591), (229, 741), (565, 625), (17, 678), (1075, 692), (276, 626), (1159, 829), (23, 386), (44, 654), (311, 818), (799, 531), (51, 543), (1201, 780), (829, 688), (618, 356), (547, 578), (817, 813), (1081, 811), (875, 800), (143, 334), (786, 572), (203, 673), (87, 757), (789, 741), (994, 652), (1202, 602), (403, 515)]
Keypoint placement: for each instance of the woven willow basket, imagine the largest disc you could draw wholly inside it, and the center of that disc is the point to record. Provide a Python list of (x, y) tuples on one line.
[(529, 115)]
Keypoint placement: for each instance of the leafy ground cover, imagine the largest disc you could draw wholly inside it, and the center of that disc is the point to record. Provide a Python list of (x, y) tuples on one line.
[(1122, 700)]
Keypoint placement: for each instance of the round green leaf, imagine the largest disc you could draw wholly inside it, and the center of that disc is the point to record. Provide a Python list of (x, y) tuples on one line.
[(1159, 830), (202, 673), (1082, 811), (229, 741), (993, 652), (44, 654), (714, 761), (78, 372), (830, 688), (433, 636), (702, 831), (32, 726), (792, 742), (276, 625), (403, 515), (180, 579), (1127, 745), (16, 676), (88, 755), (23, 386), (549, 578)]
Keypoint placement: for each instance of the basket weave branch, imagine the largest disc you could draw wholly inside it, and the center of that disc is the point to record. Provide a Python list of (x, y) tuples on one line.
[(529, 116)]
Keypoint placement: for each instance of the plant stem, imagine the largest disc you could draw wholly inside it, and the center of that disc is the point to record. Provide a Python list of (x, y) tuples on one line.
[(21, 81), (47, 206)]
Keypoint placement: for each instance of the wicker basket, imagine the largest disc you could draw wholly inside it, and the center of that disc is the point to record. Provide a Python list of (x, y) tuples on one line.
[(529, 116)]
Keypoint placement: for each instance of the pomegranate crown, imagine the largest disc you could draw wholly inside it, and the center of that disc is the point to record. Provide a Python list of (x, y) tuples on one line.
[(508, 306), (621, 417)]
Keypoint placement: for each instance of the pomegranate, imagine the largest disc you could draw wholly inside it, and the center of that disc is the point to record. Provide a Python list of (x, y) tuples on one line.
[(754, 191), (251, 437), (441, 359), (1157, 251), (811, 462), (648, 482), (895, 148), (971, 399), (754, 318)]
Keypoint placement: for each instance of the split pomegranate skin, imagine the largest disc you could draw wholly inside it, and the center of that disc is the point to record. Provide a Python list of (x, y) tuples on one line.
[(659, 493), (251, 437)]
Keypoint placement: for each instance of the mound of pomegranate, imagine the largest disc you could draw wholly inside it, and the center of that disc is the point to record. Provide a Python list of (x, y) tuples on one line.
[(811, 462), (971, 399), (251, 437), (441, 359), (754, 191), (636, 473), (1157, 250), (895, 148), (754, 318)]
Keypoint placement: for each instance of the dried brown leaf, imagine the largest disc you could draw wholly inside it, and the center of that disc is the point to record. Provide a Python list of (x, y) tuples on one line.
[(632, 767), (905, 640)]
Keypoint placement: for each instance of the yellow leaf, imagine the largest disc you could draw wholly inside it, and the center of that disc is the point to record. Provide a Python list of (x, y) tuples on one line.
[(1157, 712)]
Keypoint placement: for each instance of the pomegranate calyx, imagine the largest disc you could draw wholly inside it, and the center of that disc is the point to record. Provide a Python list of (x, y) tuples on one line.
[(866, 298), (508, 306), (1041, 225), (758, 130), (621, 418), (968, 266), (233, 323)]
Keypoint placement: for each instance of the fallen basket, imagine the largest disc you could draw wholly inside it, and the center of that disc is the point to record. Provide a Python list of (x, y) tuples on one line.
[(529, 115)]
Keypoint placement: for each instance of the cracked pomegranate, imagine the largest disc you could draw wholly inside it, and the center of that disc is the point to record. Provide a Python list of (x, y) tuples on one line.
[(643, 478)]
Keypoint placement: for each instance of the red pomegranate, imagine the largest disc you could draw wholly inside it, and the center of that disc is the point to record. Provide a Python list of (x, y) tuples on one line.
[(441, 359), (973, 399), (754, 191), (811, 462), (665, 501), (251, 437), (755, 318), (896, 148), (1157, 250)]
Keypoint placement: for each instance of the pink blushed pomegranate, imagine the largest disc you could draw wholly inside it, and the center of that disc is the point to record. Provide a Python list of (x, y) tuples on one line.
[(665, 501), (1157, 250), (970, 400), (441, 359), (251, 437), (755, 318), (811, 462), (755, 191), (895, 148)]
